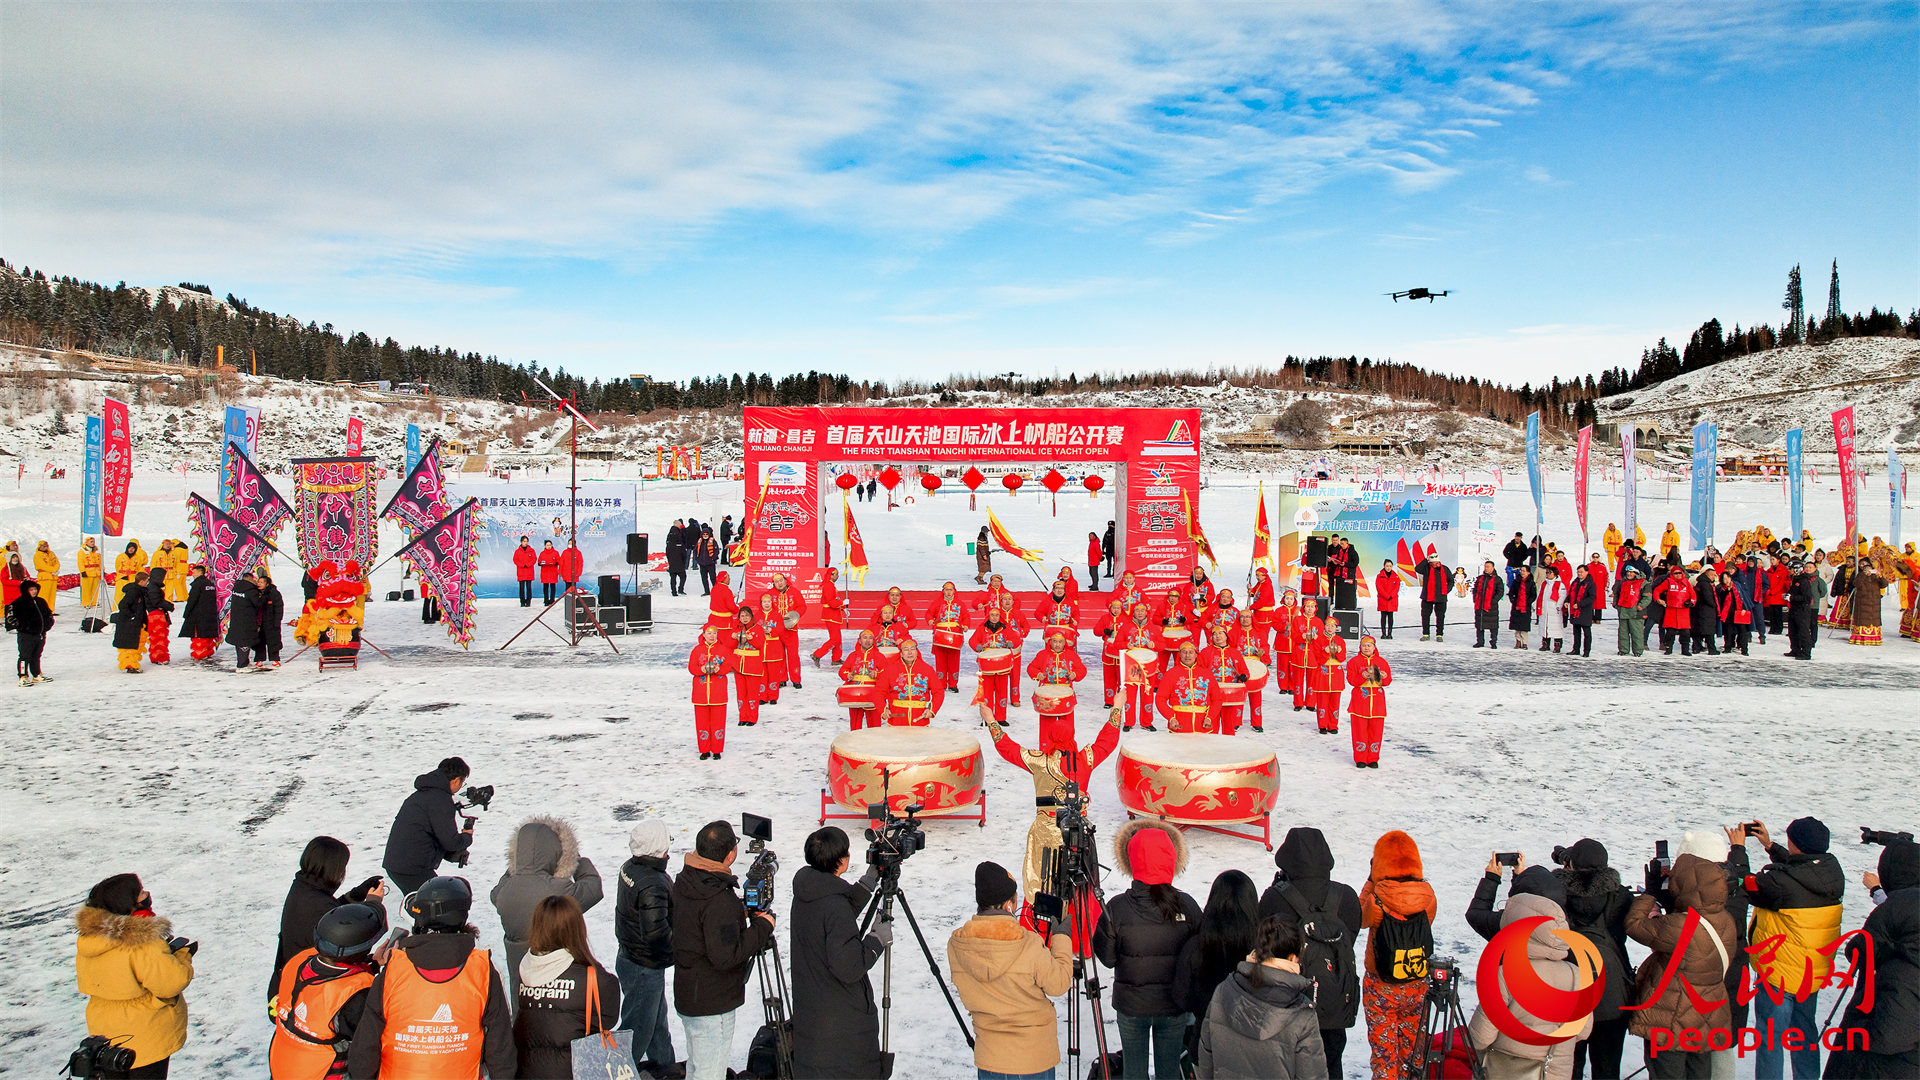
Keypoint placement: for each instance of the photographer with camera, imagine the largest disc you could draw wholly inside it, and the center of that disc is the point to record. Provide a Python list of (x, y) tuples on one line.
[(714, 943), (1892, 987), (133, 972), (323, 867), (427, 830), (1596, 907), (1796, 898), (1657, 920), (836, 1024), (1007, 976), (543, 859), (437, 1008)]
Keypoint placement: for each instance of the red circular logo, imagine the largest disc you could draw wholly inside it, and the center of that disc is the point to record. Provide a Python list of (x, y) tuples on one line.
[(1505, 961)]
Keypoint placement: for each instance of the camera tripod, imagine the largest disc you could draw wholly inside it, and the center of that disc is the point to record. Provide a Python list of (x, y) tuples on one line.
[(1442, 1005), (881, 907), (1076, 874), (773, 999)]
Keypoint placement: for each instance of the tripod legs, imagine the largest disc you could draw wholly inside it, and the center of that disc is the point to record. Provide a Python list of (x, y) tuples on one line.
[(882, 906), (773, 999)]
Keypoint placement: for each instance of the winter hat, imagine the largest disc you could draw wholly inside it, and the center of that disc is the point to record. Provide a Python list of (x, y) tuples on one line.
[(649, 837), (1587, 854), (1809, 835), (1151, 856), (1708, 844), (1900, 866), (992, 885)]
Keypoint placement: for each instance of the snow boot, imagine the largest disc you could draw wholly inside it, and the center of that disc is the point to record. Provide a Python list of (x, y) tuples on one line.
[(1557, 642)]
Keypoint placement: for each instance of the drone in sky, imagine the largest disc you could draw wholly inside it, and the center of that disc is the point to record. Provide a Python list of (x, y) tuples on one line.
[(1429, 295)]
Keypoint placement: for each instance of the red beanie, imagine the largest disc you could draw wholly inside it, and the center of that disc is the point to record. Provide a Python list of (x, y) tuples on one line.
[(1151, 857)]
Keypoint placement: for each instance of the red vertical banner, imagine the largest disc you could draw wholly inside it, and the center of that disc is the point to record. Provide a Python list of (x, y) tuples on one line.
[(1582, 452), (1849, 477), (353, 436), (116, 466)]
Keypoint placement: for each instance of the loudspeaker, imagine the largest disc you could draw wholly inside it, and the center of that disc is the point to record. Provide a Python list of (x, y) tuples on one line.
[(406, 594), (1316, 555), (610, 590), (1349, 624), (613, 619), (393, 595), (639, 612), (636, 549), (1322, 607)]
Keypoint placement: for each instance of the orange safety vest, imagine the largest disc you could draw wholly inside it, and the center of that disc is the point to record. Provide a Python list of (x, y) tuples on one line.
[(305, 1045), (433, 1029)]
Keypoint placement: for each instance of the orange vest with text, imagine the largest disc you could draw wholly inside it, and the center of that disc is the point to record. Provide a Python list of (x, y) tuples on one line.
[(305, 1045), (434, 1029)]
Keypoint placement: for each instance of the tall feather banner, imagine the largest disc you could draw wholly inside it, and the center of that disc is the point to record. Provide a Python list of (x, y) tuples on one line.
[(444, 559), (249, 496), (1005, 540), (229, 549), (422, 497), (1197, 534)]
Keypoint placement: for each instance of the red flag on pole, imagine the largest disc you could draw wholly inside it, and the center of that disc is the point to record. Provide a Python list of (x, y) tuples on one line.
[(1262, 536)]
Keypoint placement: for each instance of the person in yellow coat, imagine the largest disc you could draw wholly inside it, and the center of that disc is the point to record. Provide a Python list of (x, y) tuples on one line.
[(88, 562), (134, 973), (46, 568), (1612, 540), (1669, 542), (128, 563), (165, 557), (177, 577), (1640, 539)]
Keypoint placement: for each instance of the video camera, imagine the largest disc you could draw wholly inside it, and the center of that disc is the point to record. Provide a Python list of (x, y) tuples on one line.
[(1069, 805), (756, 889), (471, 798), (891, 840), (1884, 836), (98, 1056)]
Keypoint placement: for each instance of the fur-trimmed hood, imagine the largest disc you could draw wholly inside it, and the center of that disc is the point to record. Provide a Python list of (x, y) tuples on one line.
[(1597, 883), (543, 845), (1395, 855), (110, 931), (1127, 832)]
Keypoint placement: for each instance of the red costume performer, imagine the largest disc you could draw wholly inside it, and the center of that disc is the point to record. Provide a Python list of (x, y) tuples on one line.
[(1010, 615), (1281, 676), (1198, 592), (1221, 660), (1368, 674), (787, 601), (1057, 609), (721, 605), (898, 602), (1110, 625), (1138, 633), (990, 600), (995, 689), (890, 629), (833, 615), (773, 653), (710, 663), (1261, 601), (1307, 641), (1128, 593), (947, 617), (749, 664), (863, 667), (913, 690), (1221, 615), (1329, 678), (1065, 577), (1186, 696), (1253, 646), (1174, 615), (1057, 665)]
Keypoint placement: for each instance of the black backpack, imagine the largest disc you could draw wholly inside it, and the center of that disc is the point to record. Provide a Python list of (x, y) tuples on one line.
[(1401, 947), (1326, 957)]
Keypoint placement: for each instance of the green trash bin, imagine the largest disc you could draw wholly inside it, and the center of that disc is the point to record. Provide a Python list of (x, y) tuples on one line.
[(969, 547), (950, 541)]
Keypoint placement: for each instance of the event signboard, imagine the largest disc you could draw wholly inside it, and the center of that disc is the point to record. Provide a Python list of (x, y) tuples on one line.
[(539, 512)]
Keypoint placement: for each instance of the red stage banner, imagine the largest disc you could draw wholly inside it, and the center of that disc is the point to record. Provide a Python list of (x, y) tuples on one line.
[(116, 466), (1849, 477), (422, 497), (229, 549), (1581, 454), (444, 558), (353, 436), (1157, 452), (335, 501)]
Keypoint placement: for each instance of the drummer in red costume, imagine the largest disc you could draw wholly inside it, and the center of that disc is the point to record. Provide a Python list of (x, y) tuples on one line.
[(1128, 592), (990, 599), (1260, 601), (833, 615), (1010, 614), (1221, 615), (788, 606), (888, 628), (1222, 660), (863, 668), (1109, 631), (947, 615), (1056, 665), (1198, 590), (1368, 674), (710, 663), (913, 690), (995, 688), (1308, 637), (1253, 646), (749, 657), (1329, 677), (721, 606), (1174, 615), (1066, 579), (1056, 609), (773, 652), (897, 601), (1282, 628), (1139, 633), (1186, 698)]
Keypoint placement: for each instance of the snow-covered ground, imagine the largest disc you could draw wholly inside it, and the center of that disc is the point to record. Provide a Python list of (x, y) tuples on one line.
[(208, 784)]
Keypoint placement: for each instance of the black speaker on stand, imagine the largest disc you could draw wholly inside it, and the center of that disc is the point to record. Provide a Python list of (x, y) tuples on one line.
[(636, 556), (609, 590), (1316, 555), (639, 613)]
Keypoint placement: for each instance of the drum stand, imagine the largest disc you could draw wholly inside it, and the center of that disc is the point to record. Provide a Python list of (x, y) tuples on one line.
[(1264, 836), (882, 907)]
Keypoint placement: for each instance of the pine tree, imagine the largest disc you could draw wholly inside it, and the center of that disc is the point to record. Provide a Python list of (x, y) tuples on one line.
[(1796, 307)]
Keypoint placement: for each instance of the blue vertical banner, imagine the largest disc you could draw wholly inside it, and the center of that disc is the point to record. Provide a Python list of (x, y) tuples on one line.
[(1896, 486), (1796, 495), (413, 448), (1533, 467), (233, 431), (92, 480), (1706, 455)]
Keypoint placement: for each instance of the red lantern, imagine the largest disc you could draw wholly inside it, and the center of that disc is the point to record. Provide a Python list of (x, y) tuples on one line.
[(889, 478), (1053, 481), (1093, 484), (1011, 482), (846, 481), (973, 478), (930, 482)]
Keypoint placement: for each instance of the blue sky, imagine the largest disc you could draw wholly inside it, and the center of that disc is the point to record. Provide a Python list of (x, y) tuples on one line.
[(922, 189)]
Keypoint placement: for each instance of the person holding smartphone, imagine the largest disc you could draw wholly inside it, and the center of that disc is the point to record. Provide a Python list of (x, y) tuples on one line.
[(134, 974), (1527, 880), (323, 867)]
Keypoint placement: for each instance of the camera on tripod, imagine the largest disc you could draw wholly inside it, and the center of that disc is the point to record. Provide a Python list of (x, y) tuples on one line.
[(1069, 806), (893, 840), (1884, 836), (471, 798), (756, 889), (98, 1056)]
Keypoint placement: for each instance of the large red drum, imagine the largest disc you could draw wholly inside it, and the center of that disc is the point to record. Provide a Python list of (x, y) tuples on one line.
[(1053, 700), (1141, 666), (859, 695), (1197, 779), (948, 637), (941, 770), (891, 652), (1174, 637), (998, 661), (1256, 675)]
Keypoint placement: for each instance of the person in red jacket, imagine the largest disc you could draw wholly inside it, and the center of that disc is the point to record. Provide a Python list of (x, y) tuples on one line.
[(1329, 677), (1056, 665), (1174, 614), (947, 618), (1253, 646), (1137, 632), (1309, 645), (896, 600), (889, 627), (1186, 697), (773, 654), (1677, 621), (721, 605), (1778, 580), (1284, 614), (1010, 614), (549, 573), (1736, 622), (1096, 557), (1597, 570), (788, 606), (710, 663), (995, 634), (1128, 592), (833, 614), (572, 565), (913, 690), (1221, 615), (1110, 625), (1386, 596), (1057, 609), (749, 664), (989, 601), (1065, 577), (524, 561), (863, 667), (1368, 674), (1224, 663)]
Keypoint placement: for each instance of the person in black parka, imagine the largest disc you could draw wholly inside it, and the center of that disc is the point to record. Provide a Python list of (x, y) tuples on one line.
[(426, 831), (31, 620), (323, 866), (200, 617), (129, 621), (1893, 1026), (273, 608), (1140, 936), (836, 1024), (1706, 615), (1597, 906), (1306, 869), (243, 622), (1538, 880)]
